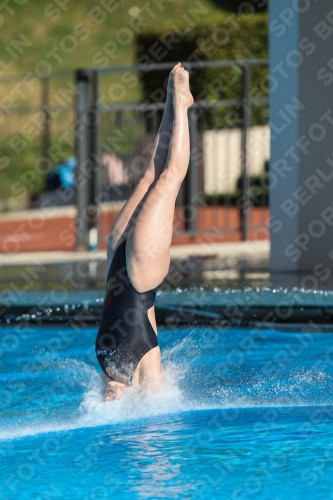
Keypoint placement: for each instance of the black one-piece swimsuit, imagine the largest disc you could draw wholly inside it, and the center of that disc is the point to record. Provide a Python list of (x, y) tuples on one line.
[(125, 334)]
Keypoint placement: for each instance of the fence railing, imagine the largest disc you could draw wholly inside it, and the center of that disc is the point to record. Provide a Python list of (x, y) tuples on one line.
[(218, 197), (62, 115)]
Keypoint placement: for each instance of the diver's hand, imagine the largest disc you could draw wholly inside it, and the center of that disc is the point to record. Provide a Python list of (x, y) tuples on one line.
[(113, 390)]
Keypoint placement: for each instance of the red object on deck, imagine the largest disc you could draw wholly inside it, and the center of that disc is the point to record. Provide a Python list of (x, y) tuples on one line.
[(38, 232)]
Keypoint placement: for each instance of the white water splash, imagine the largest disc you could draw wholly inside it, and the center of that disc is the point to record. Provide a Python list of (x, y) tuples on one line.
[(133, 405), (94, 412)]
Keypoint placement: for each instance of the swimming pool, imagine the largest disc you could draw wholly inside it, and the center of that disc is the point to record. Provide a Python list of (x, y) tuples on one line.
[(246, 413)]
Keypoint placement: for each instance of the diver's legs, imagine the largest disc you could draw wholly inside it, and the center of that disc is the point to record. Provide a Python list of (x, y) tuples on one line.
[(149, 240), (157, 161)]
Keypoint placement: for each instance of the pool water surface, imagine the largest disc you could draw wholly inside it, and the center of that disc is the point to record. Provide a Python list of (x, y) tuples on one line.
[(245, 413)]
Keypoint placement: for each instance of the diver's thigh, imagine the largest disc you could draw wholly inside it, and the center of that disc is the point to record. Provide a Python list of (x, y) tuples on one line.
[(149, 241)]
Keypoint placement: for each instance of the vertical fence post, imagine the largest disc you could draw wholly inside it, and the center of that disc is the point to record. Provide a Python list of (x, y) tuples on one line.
[(192, 174), (93, 165), (83, 158), (246, 120), (46, 140)]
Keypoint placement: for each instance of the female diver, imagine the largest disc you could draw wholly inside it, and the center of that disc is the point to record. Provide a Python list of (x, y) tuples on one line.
[(138, 254)]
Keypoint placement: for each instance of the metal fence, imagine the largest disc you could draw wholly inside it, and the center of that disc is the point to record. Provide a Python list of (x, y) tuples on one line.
[(44, 119), (210, 203)]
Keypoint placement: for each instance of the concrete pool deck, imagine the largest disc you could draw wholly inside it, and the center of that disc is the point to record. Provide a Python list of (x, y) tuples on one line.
[(216, 284)]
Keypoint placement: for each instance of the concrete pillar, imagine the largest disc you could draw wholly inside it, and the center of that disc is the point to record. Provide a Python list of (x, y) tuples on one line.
[(301, 111)]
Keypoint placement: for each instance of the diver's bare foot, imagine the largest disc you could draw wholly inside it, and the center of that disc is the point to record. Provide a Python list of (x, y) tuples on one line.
[(182, 94), (171, 86), (113, 390)]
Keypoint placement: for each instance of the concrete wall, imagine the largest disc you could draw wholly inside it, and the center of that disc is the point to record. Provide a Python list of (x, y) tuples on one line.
[(301, 111), (223, 156)]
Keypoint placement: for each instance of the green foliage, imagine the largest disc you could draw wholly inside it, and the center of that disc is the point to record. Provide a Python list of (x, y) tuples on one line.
[(229, 38), (239, 6), (45, 32), (257, 192), (18, 179), (46, 23)]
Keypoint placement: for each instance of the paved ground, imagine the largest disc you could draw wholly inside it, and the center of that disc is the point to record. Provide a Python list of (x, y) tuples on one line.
[(250, 250), (234, 265), (217, 264)]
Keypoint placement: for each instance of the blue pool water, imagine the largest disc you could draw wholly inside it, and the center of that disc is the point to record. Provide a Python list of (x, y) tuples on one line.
[(244, 414)]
